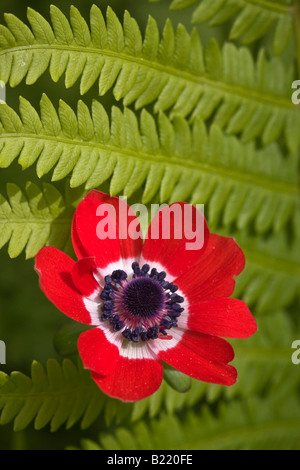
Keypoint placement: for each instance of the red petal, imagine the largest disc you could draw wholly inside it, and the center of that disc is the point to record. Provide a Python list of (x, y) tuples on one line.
[(83, 278), (211, 277), (135, 377), (230, 318), (54, 268), (200, 356), (100, 215), (98, 353), (176, 238)]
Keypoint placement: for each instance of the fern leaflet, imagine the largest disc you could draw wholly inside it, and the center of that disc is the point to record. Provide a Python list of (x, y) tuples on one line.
[(63, 394), (272, 275), (238, 425), (252, 18), (33, 220)]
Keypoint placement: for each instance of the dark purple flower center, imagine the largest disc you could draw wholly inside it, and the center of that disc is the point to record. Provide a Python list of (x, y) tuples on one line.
[(142, 307), (143, 297)]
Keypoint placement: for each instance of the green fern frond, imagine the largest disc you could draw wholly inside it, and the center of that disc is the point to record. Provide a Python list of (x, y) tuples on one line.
[(263, 363), (31, 220), (61, 395), (180, 162), (252, 18), (272, 275), (254, 424), (66, 394), (263, 195), (173, 71)]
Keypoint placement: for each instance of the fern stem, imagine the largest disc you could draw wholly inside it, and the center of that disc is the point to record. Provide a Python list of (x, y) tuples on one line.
[(244, 93), (280, 186)]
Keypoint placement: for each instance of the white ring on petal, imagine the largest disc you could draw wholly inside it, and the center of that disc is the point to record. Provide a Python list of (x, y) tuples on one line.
[(94, 310), (95, 296), (138, 350), (127, 348), (114, 337), (158, 345), (182, 321)]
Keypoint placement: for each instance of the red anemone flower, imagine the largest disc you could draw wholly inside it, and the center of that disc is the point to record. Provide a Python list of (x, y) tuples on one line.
[(149, 301)]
